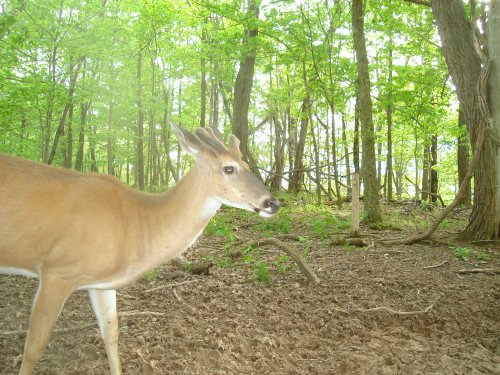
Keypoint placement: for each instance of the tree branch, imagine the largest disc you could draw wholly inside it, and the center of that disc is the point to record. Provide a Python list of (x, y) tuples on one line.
[(420, 2)]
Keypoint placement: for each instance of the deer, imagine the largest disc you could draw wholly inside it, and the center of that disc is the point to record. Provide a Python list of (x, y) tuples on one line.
[(89, 231)]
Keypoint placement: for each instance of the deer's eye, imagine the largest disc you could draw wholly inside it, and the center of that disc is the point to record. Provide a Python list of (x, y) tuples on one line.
[(229, 169)]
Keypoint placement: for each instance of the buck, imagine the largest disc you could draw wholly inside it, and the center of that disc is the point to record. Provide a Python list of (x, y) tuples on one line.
[(76, 231)]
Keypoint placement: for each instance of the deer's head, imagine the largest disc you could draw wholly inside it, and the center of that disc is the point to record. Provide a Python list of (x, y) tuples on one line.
[(229, 179)]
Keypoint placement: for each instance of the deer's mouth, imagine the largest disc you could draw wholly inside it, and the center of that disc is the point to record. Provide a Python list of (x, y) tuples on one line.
[(269, 208)]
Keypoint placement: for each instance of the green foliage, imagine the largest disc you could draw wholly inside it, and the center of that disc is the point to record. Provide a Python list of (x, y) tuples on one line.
[(262, 272), (43, 39), (466, 253), (325, 224), (219, 227), (281, 223), (153, 275), (463, 253)]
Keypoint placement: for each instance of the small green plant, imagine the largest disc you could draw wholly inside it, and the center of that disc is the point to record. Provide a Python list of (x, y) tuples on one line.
[(485, 257), (221, 262), (282, 263), (262, 272), (217, 226), (153, 275), (325, 223), (463, 252), (279, 224)]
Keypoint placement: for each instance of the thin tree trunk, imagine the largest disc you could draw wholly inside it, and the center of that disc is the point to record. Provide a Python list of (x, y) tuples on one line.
[(140, 128), (371, 196), (74, 70), (346, 151), (426, 168), (68, 159), (109, 146), (203, 84), (355, 145), (389, 109), (297, 178), (84, 108), (433, 170)]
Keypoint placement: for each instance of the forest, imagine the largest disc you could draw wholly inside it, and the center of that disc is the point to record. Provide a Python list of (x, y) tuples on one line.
[(94, 87), (401, 95)]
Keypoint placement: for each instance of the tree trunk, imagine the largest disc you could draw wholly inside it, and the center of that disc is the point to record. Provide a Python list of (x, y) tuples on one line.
[(109, 146), (425, 176), (433, 170), (388, 112), (74, 70), (494, 92), (68, 154), (355, 145), (464, 64), (346, 152), (244, 81), (203, 84), (297, 178), (369, 171), (279, 155), (140, 128), (463, 159), (84, 108)]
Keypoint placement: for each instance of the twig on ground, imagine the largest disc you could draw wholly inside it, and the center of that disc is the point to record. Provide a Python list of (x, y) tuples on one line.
[(176, 295), (170, 285), (480, 270), (396, 312), (436, 265)]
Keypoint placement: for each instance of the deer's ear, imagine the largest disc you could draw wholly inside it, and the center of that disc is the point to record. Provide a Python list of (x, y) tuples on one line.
[(234, 147), (189, 143)]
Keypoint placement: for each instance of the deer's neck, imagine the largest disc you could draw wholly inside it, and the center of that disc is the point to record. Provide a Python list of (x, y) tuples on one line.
[(181, 214)]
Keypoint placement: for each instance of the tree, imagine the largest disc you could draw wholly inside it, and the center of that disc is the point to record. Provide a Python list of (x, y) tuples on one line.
[(244, 79), (460, 41), (368, 168)]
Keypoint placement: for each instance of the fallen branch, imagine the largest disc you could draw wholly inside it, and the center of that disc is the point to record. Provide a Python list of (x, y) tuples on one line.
[(311, 276), (481, 270), (396, 312), (169, 286), (436, 265)]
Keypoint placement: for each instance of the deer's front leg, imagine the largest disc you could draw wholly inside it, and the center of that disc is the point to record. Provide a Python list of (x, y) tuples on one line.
[(104, 305), (48, 303)]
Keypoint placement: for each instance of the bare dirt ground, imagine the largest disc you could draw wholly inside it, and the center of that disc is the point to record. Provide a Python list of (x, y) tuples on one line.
[(377, 310)]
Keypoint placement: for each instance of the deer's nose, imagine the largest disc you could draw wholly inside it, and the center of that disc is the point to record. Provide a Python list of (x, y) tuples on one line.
[(272, 204)]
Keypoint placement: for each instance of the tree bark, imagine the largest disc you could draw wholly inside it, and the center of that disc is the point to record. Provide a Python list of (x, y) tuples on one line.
[(463, 160), (297, 178), (464, 62), (494, 93), (244, 81), (369, 171), (74, 70), (433, 170), (140, 128)]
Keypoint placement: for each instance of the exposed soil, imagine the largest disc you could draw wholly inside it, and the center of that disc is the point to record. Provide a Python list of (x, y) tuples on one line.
[(377, 310)]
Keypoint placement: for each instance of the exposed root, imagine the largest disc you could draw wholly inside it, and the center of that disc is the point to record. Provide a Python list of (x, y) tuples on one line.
[(311, 276), (481, 270), (385, 309)]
